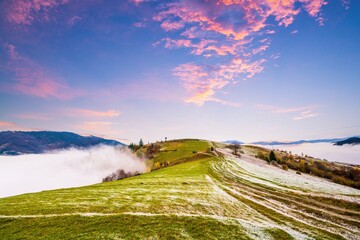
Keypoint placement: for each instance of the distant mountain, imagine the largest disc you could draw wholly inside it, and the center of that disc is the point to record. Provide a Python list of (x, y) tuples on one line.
[(272, 143), (15, 143), (233, 142), (352, 141)]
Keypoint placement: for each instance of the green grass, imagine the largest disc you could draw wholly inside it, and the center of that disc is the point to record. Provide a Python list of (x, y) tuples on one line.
[(176, 152), (278, 234), (121, 227), (191, 200)]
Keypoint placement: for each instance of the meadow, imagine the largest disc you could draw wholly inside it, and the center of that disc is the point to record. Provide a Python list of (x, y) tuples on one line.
[(204, 192)]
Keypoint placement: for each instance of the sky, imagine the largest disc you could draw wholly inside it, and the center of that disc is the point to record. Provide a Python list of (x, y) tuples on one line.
[(214, 69)]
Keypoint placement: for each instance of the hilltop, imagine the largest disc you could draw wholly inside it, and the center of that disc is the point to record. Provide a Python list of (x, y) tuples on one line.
[(17, 142), (194, 189)]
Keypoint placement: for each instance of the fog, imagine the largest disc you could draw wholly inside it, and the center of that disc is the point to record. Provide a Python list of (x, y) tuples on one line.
[(63, 169), (345, 154)]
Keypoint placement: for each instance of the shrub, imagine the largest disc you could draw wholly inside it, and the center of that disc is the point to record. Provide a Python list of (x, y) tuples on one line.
[(152, 150), (272, 156)]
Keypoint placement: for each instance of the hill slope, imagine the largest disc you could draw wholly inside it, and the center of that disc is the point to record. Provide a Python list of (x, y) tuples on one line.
[(352, 140), (204, 195), (14, 143)]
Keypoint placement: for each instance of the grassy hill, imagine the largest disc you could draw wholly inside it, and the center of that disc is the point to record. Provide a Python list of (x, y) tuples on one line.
[(203, 193)]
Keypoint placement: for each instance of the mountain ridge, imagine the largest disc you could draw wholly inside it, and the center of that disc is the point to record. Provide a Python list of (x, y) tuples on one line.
[(22, 142)]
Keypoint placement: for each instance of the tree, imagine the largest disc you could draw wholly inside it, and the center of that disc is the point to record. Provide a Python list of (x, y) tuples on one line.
[(272, 156), (141, 143), (236, 148), (132, 147)]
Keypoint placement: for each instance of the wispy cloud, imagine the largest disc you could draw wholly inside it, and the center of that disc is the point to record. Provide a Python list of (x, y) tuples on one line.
[(73, 20), (305, 115), (139, 24), (301, 112), (98, 128), (32, 79), (11, 126), (276, 109), (346, 4), (92, 113), (33, 116), (209, 29), (26, 12)]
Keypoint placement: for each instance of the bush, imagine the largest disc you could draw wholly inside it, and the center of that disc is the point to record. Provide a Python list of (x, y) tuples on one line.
[(285, 167), (119, 174), (152, 150)]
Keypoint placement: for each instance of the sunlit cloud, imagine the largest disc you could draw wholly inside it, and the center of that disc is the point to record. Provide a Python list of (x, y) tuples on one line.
[(92, 113), (11, 126), (209, 29), (32, 79), (26, 12)]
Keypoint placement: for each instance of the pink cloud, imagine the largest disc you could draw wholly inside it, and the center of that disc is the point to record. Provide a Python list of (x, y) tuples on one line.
[(32, 79), (92, 113), (11, 126), (313, 7), (201, 83), (170, 26), (27, 11), (138, 2), (205, 28)]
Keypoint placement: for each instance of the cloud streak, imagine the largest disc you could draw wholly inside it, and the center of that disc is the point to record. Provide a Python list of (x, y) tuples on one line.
[(93, 113), (32, 79), (301, 112), (33, 116), (305, 115), (11, 126)]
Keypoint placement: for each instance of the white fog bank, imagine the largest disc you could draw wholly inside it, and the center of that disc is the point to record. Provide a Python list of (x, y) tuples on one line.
[(344, 154), (63, 169)]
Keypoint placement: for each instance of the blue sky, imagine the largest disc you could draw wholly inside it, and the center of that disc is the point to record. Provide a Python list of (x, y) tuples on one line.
[(218, 70)]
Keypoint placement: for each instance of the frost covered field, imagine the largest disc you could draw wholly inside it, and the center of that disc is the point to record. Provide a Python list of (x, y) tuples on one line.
[(344, 154), (209, 195)]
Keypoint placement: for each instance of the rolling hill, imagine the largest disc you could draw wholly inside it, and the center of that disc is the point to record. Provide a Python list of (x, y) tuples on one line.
[(196, 189), (14, 143)]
